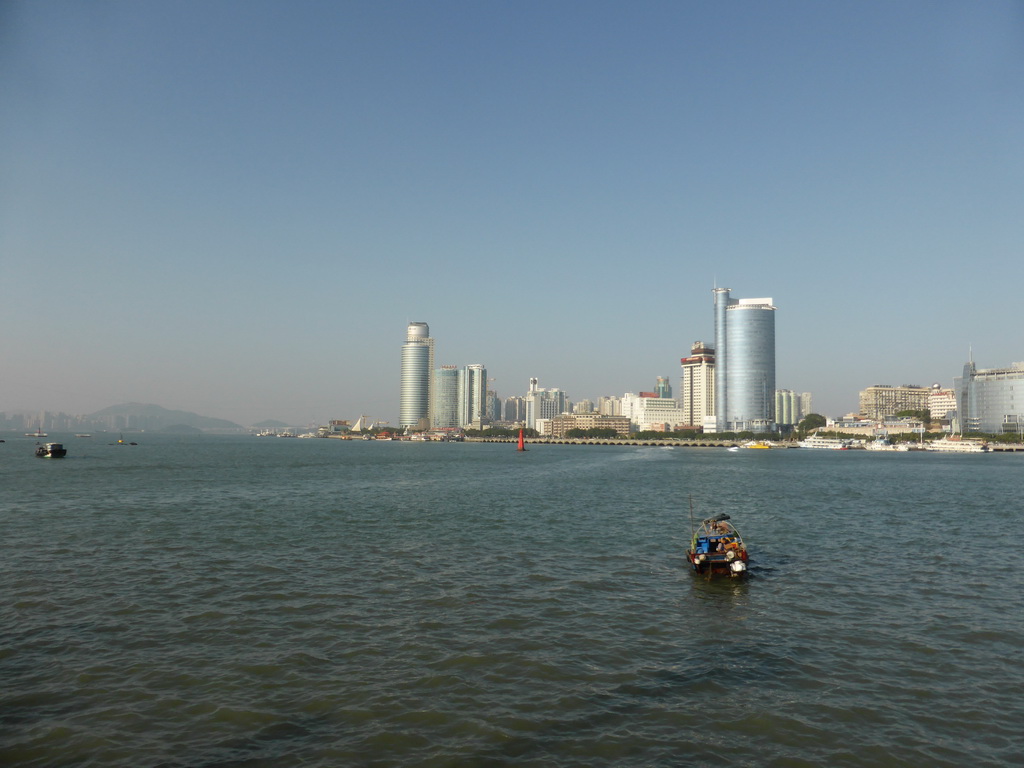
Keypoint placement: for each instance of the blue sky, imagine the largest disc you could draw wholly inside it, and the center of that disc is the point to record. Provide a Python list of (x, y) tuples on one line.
[(235, 208)]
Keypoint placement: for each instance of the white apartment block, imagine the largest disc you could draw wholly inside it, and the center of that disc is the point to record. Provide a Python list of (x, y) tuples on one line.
[(652, 413), (697, 385), (941, 402), (791, 407)]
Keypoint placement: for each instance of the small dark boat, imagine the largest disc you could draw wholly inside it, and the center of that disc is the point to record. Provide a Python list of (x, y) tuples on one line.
[(717, 548), (51, 451)]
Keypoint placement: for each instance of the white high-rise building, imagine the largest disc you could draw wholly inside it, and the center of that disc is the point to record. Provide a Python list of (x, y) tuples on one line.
[(941, 402), (697, 385), (788, 412), (646, 413), (543, 403), (472, 396)]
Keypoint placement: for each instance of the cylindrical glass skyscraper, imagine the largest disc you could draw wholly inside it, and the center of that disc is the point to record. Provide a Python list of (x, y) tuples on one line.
[(744, 363), (417, 365), (751, 332)]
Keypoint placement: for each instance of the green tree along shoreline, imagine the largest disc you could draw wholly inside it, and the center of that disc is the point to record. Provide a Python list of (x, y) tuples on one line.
[(811, 422), (925, 416)]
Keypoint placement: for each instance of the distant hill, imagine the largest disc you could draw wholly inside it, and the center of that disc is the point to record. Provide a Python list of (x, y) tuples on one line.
[(271, 424), (153, 418)]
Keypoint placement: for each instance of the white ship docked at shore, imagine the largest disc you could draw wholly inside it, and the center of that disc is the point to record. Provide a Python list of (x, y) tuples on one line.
[(883, 444), (956, 445), (827, 443)]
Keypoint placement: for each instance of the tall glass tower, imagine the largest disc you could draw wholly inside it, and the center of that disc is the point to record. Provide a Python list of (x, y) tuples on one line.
[(446, 397), (417, 366), (744, 363)]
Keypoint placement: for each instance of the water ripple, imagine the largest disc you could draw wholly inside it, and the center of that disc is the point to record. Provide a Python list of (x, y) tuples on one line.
[(323, 603)]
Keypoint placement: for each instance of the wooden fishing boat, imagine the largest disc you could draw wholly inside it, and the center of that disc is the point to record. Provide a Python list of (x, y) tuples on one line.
[(717, 549)]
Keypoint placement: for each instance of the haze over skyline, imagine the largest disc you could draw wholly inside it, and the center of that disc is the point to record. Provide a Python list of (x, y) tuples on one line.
[(235, 209)]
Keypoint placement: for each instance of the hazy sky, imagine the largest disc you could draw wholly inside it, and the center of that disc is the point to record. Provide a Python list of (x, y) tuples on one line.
[(235, 208)]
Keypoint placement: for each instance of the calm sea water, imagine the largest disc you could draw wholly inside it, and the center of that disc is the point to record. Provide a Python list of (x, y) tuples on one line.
[(211, 601)]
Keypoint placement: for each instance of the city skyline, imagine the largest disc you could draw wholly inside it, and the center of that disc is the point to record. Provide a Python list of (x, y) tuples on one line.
[(987, 400), (229, 208)]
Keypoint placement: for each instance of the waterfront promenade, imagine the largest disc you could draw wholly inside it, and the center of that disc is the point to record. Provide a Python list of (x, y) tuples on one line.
[(667, 443), (674, 443)]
